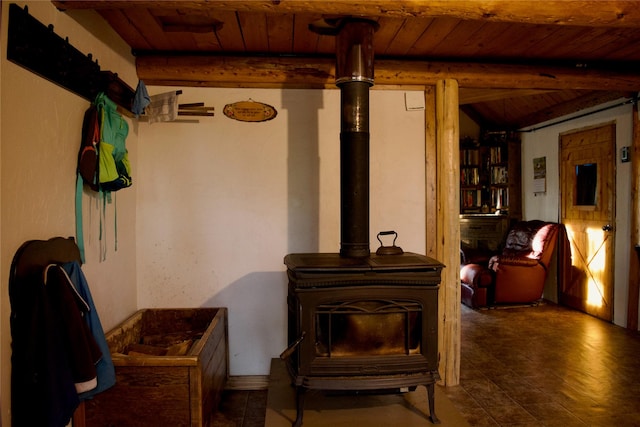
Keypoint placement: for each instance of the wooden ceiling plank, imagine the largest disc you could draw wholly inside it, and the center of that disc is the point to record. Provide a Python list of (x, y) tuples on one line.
[(326, 45), (486, 35), (607, 13), (449, 47), (574, 105), (582, 45), (151, 28), (182, 39), (476, 95), (521, 107), (560, 97), (305, 41), (551, 46), (517, 108), (319, 72), (627, 47), (122, 25), (382, 39), (405, 38), (229, 36), (518, 39), (280, 30), (542, 101), (207, 42), (436, 34), (491, 116), (254, 31)]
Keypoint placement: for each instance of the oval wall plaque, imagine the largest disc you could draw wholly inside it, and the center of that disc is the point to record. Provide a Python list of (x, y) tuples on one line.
[(250, 111)]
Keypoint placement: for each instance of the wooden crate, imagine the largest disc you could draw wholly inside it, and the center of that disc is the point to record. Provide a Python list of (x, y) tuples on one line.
[(164, 390)]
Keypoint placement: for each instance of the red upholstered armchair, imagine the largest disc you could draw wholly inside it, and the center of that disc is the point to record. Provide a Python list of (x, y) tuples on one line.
[(476, 279), (521, 269)]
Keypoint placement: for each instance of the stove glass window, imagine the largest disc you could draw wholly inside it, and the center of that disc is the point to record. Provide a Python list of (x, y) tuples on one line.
[(368, 328)]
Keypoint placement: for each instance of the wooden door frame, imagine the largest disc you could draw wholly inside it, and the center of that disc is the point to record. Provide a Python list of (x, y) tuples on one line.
[(633, 297), (612, 202)]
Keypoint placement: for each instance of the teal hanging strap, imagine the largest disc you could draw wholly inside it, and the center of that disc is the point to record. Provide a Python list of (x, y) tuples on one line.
[(79, 231), (115, 222), (103, 217)]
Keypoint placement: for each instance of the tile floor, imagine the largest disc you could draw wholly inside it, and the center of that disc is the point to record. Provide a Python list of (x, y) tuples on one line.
[(523, 366), (240, 408)]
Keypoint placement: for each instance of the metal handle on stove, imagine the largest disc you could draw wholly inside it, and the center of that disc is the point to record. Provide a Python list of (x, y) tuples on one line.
[(289, 350)]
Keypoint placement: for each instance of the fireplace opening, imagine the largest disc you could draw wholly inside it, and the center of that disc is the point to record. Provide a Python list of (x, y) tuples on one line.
[(368, 328)]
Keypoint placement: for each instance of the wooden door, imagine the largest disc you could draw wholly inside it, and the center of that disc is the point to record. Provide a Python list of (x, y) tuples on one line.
[(588, 211)]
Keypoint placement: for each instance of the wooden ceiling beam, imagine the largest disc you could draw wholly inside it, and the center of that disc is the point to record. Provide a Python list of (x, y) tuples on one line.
[(299, 72), (593, 13), (475, 95)]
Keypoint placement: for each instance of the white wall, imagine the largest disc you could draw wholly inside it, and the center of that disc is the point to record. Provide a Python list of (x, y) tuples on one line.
[(39, 141), (221, 202), (545, 143)]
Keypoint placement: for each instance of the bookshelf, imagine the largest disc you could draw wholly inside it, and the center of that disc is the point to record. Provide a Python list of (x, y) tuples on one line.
[(490, 175), (470, 181)]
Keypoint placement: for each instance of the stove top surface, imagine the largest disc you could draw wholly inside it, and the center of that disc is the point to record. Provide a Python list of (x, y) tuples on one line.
[(307, 262)]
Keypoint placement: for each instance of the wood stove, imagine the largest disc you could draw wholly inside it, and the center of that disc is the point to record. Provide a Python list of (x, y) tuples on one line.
[(359, 321), (362, 323)]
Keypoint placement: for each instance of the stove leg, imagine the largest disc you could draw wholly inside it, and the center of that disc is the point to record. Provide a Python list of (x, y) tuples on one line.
[(432, 407), (300, 394)]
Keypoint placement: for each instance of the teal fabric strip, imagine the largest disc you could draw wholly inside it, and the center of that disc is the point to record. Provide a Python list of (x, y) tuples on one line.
[(115, 221), (103, 216)]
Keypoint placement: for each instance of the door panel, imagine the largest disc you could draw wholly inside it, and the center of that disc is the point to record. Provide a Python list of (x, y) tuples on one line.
[(588, 199)]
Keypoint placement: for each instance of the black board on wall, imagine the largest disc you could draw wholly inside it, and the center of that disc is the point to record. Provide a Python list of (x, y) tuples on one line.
[(36, 47)]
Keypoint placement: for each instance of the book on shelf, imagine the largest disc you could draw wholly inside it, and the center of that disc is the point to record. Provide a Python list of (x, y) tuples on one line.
[(471, 199), (470, 176), (500, 197), (496, 154), (469, 157), (499, 175)]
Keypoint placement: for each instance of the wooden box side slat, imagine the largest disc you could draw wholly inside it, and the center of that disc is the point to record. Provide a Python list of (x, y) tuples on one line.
[(149, 396), (146, 360), (218, 320), (169, 320), (209, 378), (214, 380), (126, 333)]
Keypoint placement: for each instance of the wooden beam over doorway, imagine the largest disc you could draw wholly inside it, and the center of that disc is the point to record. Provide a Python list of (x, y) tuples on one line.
[(314, 72)]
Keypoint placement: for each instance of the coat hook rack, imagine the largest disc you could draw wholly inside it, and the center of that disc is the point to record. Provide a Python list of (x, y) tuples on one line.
[(39, 49)]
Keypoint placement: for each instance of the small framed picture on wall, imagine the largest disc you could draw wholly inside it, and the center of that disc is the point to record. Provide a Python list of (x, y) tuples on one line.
[(539, 175)]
